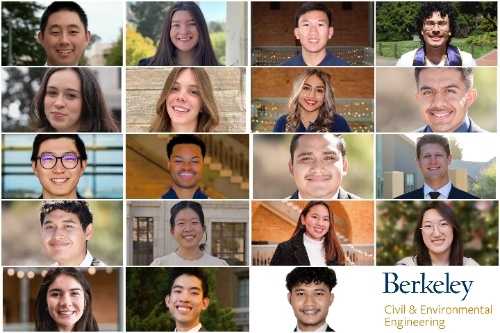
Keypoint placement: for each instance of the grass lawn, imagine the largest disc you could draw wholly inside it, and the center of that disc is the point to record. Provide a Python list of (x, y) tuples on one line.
[(388, 49)]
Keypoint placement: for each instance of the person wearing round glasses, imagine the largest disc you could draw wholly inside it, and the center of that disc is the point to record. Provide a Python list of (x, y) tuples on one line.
[(438, 239), (436, 21), (59, 160)]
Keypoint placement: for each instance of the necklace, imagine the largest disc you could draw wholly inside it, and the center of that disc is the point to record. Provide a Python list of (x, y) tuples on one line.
[(188, 258)]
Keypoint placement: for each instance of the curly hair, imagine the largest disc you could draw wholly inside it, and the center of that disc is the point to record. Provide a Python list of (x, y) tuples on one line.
[(78, 207), (307, 275), (327, 110), (445, 9), (207, 120)]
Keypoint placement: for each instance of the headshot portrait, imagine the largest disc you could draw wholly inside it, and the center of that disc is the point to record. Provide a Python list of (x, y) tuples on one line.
[(437, 233), (187, 33), (313, 166), (455, 99), (436, 33), (62, 166), (187, 233), (186, 99), (93, 293), (61, 99), (312, 100), (187, 166), (214, 296), (312, 233), (62, 34), (312, 34), (435, 166), (62, 233)]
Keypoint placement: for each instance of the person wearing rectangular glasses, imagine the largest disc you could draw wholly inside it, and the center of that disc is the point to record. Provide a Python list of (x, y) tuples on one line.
[(59, 160), (436, 22)]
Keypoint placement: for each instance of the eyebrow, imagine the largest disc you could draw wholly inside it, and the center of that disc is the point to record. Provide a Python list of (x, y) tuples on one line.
[(323, 153), (64, 221), (184, 156), (57, 289), (307, 84), (453, 85), (182, 287), (70, 89), (53, 153), (73, 25), (438, 221), (189, 85)]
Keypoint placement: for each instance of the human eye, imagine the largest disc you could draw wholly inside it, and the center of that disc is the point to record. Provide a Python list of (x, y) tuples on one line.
[(47, 158), (175, 25), (306, 159), (55, 32), (70, 158), (71, 96), (51, 93), (194, 92), (75, 293), (306, 88), (427, 226), (426, 92), (48, 226), (444, 224), (299, 293), (55, 294), (195, 293), (320, 90)]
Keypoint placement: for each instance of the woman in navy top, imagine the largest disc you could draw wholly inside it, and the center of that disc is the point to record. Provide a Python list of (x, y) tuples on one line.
[(312, 106)]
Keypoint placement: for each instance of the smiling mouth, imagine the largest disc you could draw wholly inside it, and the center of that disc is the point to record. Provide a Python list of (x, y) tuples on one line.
[(179, 109), (443, 114), (66, 313), (185, 39), (318, 178), (64, 52), (59, 180), (310, 312), (183, 309)]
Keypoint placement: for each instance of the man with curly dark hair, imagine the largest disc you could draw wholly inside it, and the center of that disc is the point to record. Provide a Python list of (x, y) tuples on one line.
[(436, 22), (310, 295)]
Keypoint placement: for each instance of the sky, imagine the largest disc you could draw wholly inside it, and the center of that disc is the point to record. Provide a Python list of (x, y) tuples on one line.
[(105, 18), (213, 11)]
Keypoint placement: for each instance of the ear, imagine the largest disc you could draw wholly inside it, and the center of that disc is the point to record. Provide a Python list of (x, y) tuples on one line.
[(87, 38), (417, 96), (84, 166), (296, 33), (172, 232), (471, 96), (330, 32), (40, 37), (289, 298), (417, 161), (345, 165), (450, 158), (33, 167), (89, 231), (205, 302), (302, 219), (168, 164), (332, 296), (290, 168), (167, 300)]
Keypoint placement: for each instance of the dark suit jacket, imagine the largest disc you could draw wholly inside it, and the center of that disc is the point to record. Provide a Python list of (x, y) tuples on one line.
[(293, 253), (472, 128), (455, 193), (202, 329), (328, 329), (342, 195)]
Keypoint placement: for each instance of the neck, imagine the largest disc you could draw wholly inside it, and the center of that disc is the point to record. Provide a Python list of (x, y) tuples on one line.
[(440, 259), (185, 58), (185, 193), (307, 118), (185, 128), (48, 195), (310, 327), (313, 59), (75, 261), (189, 253), (435, 55), (65, 328), (184, 327), (436, 184)]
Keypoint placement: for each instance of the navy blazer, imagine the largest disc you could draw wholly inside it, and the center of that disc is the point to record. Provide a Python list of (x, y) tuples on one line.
[(328, 329), (293, 253), (472, 128), (455, 193), (343, 194)]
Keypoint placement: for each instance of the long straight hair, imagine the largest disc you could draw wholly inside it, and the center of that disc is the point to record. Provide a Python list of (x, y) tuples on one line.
[(208, 119), (327, 110), (421, 250), (334, 254), (166, 52), (43, 320)]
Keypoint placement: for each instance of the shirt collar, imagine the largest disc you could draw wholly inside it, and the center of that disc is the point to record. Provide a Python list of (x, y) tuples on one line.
[(87, 261), (335, 196), (194, 329), (319, 329), (464, 128), (444, 191)]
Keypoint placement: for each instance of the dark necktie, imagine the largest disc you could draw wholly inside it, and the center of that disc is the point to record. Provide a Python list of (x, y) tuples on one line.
[(434, 195)]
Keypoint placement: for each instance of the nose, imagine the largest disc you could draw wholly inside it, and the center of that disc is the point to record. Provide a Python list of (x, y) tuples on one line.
[(309, 300), (317, 166), (59, 102), (64, 38), (181, 95), (435, 231), (439, 100), (57, 233), (313, 29), (186, 166), (65, 300), (58, 168)]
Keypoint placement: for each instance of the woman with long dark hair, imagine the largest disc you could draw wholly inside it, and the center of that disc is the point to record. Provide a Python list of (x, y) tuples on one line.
[(314, 241), (64, 302)]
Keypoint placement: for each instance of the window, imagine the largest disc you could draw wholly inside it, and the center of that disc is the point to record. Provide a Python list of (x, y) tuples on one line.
[(409, 182), (228, 242), (143, 233), (243, 295)]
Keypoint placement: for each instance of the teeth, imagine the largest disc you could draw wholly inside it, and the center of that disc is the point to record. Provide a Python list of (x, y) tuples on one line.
[(180, 109), (65, 312), (182, 308), (310, 312), (59, 180), (65, 52)]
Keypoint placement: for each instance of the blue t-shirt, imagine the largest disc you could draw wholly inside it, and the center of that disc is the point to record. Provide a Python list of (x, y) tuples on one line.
[(339, 125), (172, 195), (329, 60)]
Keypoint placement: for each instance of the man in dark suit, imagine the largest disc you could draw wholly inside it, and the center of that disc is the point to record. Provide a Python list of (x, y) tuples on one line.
[(310, 295), (444, 95), (433, 158), (187, 296), (317, 164)]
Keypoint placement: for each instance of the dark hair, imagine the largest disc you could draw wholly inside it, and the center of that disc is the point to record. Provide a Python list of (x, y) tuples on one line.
[(207, 120), (307, 275), (165, 53), (43, 320), (175, 272), (67, 6), (78, 207), (466, 75), (444, 9), (433, 138), (40, 138), (309, 7), (334, 254), (198, 209), (95, 115), (185, 139), (341, 143), (422, 252)]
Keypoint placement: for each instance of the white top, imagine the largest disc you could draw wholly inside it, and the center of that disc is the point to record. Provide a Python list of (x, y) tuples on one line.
[(87, 261), (407, 59), (412, 261), (173, 259), (315, 251), (194, 329)]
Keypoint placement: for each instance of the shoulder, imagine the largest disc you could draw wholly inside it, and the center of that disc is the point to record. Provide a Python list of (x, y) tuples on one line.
[(331, 60), (343, 194), (144, 62), (407, 261), (294, 61), (213, 261), (340, 124), (475, 128), (415, 194), (470, 262), (457, 193), (280, 125), (407, 58), (467, 59), (162, 261), (420, 130)]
